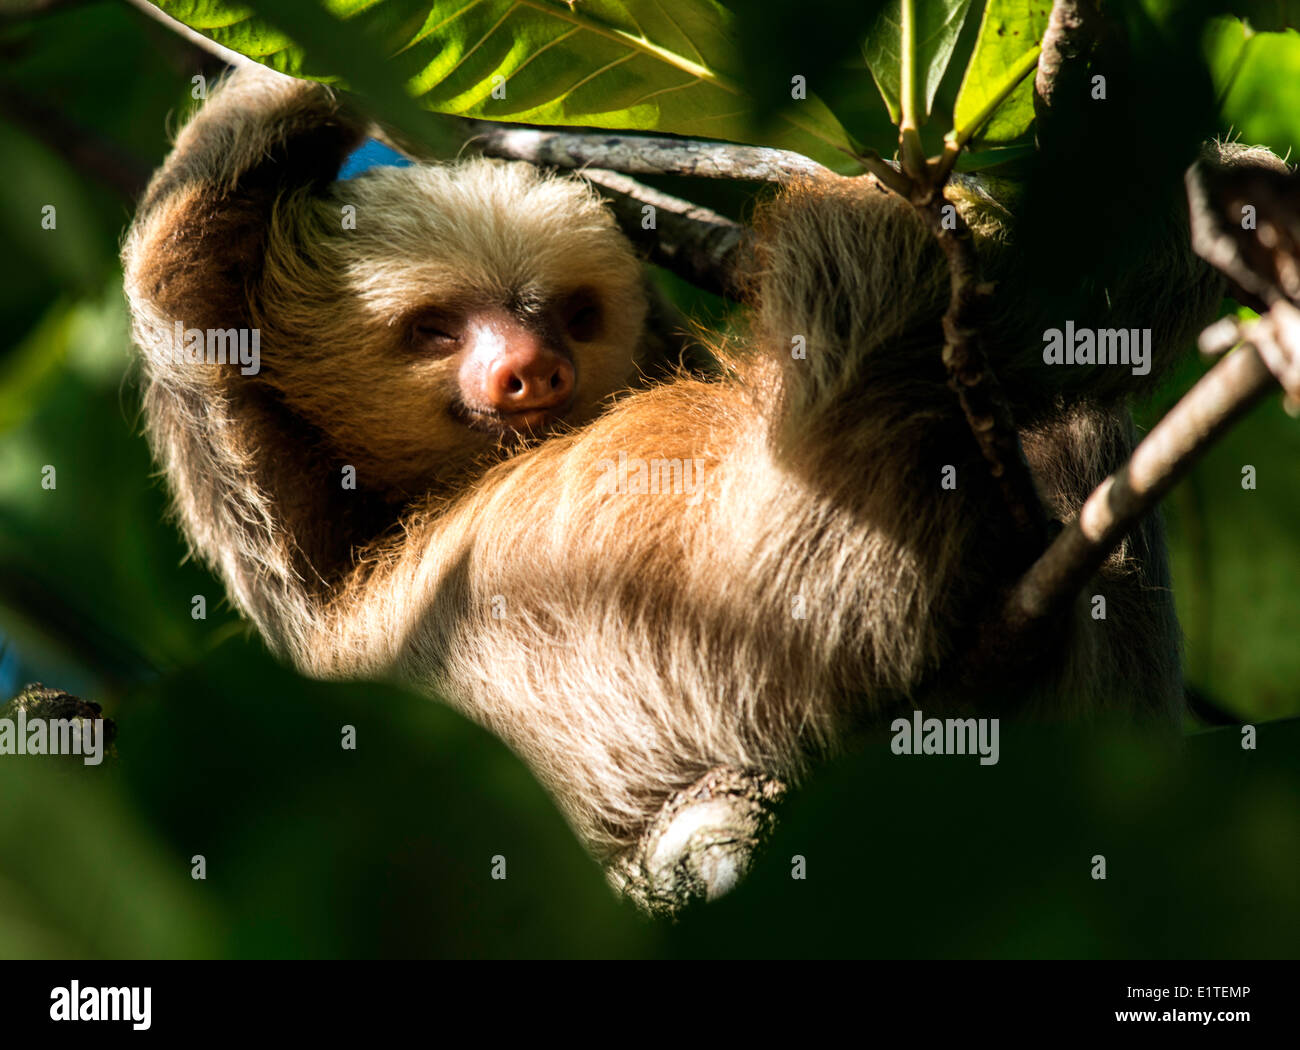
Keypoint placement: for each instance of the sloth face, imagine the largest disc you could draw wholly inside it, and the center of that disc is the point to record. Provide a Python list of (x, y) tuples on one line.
[(473, 309)]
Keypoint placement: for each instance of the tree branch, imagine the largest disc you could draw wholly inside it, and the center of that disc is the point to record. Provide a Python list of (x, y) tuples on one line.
[(1062, 76), (641, 154), (699, 245)]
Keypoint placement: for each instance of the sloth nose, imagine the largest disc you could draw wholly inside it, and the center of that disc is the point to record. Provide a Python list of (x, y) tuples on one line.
[(514, 368), (528, 375)]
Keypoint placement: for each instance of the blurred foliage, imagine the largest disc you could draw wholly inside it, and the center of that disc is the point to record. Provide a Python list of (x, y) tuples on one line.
[(1248, 68), (386, 850), (311, 850), (921, 858)]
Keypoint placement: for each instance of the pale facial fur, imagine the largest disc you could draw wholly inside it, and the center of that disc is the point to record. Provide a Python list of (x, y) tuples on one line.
[(337, 306)]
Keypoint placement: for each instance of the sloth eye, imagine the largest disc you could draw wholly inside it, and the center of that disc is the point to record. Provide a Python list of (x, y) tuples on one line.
[(435, 333), (583, 320)]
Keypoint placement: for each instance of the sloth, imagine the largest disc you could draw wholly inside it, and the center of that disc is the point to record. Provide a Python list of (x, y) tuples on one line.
[(463, 462)]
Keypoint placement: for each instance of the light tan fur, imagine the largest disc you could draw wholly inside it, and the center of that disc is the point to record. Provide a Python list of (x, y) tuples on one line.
[(622, 643)]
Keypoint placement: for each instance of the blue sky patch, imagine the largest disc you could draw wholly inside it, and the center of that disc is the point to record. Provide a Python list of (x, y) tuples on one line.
[(371, 154)]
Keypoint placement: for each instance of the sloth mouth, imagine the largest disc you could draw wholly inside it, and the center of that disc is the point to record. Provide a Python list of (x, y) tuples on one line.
[(524, 422)]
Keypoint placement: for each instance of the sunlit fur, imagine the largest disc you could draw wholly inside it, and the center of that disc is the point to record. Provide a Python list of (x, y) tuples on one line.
[(623, 644)]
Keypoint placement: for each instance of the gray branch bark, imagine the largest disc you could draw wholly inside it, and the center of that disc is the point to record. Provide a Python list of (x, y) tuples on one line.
[(641, 154), (1209, 409), (1062, 76), (699, 245), (979, 391)]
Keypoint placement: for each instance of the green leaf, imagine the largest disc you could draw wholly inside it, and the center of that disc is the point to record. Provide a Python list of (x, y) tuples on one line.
[(1257, 78), (640, 64), (1226, 45), (995, 104), (938, 24)]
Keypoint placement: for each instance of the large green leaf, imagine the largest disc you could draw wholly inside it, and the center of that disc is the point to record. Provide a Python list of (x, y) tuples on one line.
[(1257, 78), (996, 103), (938, 24), (1225, 48), (637, 64)]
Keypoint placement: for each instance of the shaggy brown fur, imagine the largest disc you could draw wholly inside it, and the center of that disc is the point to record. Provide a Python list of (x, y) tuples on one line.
[(623, 643)]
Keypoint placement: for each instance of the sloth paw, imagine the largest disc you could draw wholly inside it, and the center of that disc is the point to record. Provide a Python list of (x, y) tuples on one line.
[(701, 843)]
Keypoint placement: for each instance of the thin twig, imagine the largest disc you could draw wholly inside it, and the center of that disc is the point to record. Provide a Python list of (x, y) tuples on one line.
[(971, 377), (1061, 67), (1208, 410), (970, 374)]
